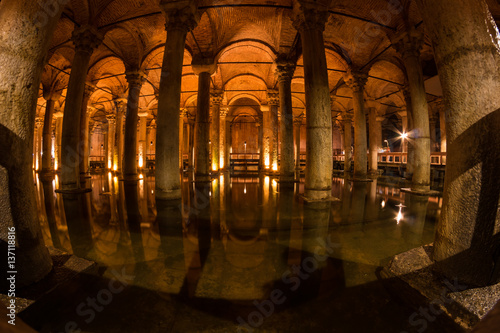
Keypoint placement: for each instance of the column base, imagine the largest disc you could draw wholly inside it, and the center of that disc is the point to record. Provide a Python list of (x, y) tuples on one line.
[(74, 191), (130, 177), (202, 178), (360, 180), (313, 196), (422, 192), (168, 195), (46, 175)]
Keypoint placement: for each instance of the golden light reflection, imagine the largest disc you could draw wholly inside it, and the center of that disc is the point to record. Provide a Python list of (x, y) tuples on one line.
[(55, 165), (382, 204), (399, 216)]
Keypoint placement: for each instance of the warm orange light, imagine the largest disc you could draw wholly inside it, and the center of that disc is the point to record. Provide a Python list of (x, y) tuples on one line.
[(275, 166), (141, 162), (266, 162)]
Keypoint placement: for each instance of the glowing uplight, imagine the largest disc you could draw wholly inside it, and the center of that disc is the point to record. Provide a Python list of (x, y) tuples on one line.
[(56, 165), (266, 162), (115, 167), (141, 162), (214, 167), (141, 176), (245, 189), (109, 164), (221, 162), (275, 166), (382, 204)]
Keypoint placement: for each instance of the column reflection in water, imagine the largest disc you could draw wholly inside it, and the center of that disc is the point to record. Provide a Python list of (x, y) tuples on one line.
[(78, 219), (414, 219), (50, 210), (358, 202), (134, 220)]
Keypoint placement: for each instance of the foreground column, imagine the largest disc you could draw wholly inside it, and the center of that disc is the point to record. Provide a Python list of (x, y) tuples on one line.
[(356, 81), (411, 146), (375, 128), (180, 19), (347, 122), (466, 244), (84, 131), (310, 21), (297, 122), (215, 100), (285, 73), (273, 129), (86, 39), (409, 44), (24, 42), (204, 69), (135, 81)]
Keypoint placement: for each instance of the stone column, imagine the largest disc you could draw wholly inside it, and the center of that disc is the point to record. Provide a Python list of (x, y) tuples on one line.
[(84, 131), (57, 149), (141, 143), (111, 140), (285, 72), (215, 100), (404, 130), (411, 147), (223, 150), (38, 142), (266, 136), (465, 44), (356, 81), (182, 137), (152, 137), (442, 129), (309, 19), (375, 128), (408, 44), (347, 122), (260, 124), (135, 81), (121, 107), (181, 17), (432, 128), (273, 101), (47, 132), (25, 39), (297, 122), (86, 39), (204, 68), (191, 124)]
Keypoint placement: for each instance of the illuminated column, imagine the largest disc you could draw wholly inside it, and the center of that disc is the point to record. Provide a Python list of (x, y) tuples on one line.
[(260, 139), (151, 138), (191, 123), (57, 147), (347, 122), (86, 39), (182, 135), (142, 144), (465, 44), (410, 144), (84, 130), (204, 68), (432, 128), (375, 128), (121, 107), (297, 122), (111, 140), (408, 44), (135, 81), (442, 129), (223, 150), (216, 100), (47, 131), (38, 142), (273, 101), (309, 19), (404, 130), (356, 81), (285, 72), (266, 136), (181, 17)]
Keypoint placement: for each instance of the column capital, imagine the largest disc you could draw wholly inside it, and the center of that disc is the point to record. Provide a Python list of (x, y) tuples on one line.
[(224, 110), (120, 103), (347, 117), (403, 113), (355, 80), (309, 15), (135, 78), (86, 39), (143, 113), (380, 119), (89, 110), (184, 113), (88, 91), (297, 121), (39, 121), (273, 97), (180, 14), (203, 65), (216, 97), (111, 118), (284, 69), (408, 43)]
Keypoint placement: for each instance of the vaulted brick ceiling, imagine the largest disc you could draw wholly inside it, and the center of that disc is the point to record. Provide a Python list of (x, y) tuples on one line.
[(244, 38)]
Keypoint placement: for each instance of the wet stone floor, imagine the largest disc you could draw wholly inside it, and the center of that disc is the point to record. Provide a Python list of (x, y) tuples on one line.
[(234, 255)]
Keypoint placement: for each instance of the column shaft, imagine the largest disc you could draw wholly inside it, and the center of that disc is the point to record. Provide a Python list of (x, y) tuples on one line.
[(84, 131), (296, 128), (135, 80), (285, 74), (202, 128), (347, 122), (47, 136), (111, 141), (142, 147)]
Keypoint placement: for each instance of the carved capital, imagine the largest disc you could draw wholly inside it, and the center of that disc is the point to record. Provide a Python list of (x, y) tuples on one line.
[(309, 15), (224, 111), (408, 43), (284, 70), (355, 80), (180, 14), (88, 91), (111, 118), (380, 119), (273, 97), (86, 39), (120, 104), (216, 97), (347, 117), (39, 122), (297, 121), (135, 78), (184, 113)]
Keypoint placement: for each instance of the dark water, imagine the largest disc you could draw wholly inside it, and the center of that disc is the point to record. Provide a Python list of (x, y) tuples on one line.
[(234, 255)]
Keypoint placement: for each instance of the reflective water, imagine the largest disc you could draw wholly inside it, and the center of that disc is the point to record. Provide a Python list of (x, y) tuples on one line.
[(234, 255)]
